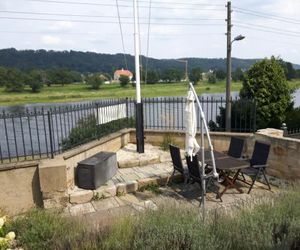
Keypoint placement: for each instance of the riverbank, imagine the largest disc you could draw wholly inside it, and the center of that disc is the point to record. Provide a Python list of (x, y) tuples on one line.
[(81, 92)]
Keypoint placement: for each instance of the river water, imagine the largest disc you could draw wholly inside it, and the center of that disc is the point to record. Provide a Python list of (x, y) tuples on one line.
[(30, 135), (30, 107)]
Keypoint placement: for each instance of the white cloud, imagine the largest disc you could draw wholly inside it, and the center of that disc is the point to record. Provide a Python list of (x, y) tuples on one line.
[(50, 40)]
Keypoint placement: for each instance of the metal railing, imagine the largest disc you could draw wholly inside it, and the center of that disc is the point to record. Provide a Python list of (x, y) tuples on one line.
[(45, 132)]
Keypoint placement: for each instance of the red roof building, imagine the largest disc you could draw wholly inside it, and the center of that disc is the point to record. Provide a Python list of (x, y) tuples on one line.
[(123, 72)]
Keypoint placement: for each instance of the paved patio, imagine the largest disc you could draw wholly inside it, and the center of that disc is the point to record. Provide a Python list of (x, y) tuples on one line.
[(140, 184)]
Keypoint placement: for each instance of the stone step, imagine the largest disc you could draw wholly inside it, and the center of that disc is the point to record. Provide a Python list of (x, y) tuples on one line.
[(127, 180), (127, 157)]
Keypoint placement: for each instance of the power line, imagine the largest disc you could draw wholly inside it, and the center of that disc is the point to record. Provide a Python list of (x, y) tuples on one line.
[(104, 16), (270, 28), (266, 14), (267, 17), (179, 3), (121, 32), (106, 22), (111, 34), (124, 6), (266, 30)]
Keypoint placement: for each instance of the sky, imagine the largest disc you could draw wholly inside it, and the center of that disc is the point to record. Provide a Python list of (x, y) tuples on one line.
[(178, 28)]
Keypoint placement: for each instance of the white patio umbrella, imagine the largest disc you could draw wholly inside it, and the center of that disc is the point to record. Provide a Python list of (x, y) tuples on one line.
[(191, 144)]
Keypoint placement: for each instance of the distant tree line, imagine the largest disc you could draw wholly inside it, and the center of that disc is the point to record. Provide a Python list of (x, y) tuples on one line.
[(15, 80), (90, 62)]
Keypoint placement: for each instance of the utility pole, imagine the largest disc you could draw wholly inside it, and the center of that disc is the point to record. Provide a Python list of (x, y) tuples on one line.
[(228, 64), (139, 106), (186, 68)]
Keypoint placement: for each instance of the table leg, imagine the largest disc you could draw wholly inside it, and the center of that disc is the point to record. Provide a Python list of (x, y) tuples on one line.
[(230, 182)]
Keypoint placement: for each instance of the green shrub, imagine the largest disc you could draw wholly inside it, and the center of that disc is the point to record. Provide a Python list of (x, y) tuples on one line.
[(87, 130), (95, 81), (41, 229), (270, 224), (167, 140), (265, 82), (124, 80)]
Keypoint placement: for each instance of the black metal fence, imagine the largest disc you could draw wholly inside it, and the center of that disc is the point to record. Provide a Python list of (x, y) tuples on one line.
[(46, 132), (293, 133)]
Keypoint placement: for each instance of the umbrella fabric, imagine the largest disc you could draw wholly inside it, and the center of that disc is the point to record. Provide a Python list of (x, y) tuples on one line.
[(191, 145)]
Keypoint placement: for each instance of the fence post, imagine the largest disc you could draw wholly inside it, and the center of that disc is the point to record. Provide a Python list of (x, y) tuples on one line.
[(127, 112), (254, 118), (50, 134)]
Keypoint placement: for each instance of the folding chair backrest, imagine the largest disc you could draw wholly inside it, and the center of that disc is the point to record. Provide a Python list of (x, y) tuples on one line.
[(176, 158), (193, 166), (236, 147), (260, 153)]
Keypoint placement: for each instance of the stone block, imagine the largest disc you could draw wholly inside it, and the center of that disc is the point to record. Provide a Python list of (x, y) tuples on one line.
[(52, 204), (106, 191), (81, 209), (129, 163), (105, 204), (53, 176), (147, 181), (130, 199), (81, 196), (127, 187), (148, 159)]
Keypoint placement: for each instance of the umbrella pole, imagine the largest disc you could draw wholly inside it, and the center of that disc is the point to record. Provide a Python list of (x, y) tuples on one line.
[(203, 178)]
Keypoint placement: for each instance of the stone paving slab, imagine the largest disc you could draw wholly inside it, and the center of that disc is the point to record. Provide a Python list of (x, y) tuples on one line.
[(128, 157)]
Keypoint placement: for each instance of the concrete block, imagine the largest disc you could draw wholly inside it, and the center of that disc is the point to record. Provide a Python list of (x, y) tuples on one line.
[(81, 196)]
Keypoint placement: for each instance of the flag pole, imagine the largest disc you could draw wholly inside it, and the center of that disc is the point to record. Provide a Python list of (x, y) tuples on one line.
[(139, 105)]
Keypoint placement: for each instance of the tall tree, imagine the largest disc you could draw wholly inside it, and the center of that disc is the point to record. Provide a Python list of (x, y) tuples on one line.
[(196, 75), (265, 82), (34, 79), (14, 80)]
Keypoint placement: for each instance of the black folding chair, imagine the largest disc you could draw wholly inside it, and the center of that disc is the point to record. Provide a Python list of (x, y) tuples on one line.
[(196, 176), (236, 147), (177, 163), (258, 164)]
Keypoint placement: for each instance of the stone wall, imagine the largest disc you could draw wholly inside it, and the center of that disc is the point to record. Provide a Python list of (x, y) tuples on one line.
[(57, 176), (220, 140), (284, 157), (48, 182), (20, 187)]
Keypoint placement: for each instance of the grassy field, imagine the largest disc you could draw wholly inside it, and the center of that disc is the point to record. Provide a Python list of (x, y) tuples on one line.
[(81, 92)]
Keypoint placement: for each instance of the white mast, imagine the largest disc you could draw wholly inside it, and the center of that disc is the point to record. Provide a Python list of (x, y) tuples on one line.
[(137, 52), (139, 105)]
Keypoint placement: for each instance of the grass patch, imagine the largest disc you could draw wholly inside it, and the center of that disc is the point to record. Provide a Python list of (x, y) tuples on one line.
[(273, 224), (81, 92), (154, 188)]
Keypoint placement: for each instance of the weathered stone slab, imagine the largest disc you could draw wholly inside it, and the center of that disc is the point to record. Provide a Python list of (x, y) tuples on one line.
[(105, 204), (81, 196), (81, 209)]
